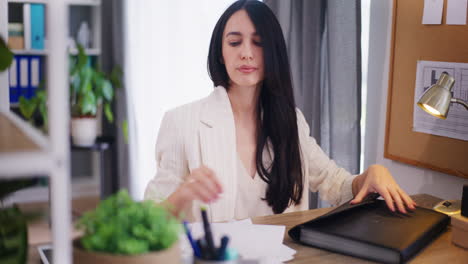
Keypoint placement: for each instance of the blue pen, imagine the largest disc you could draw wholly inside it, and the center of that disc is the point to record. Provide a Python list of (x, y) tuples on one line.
[(222, 248), (201, 243), (208, 235), (195, 248)]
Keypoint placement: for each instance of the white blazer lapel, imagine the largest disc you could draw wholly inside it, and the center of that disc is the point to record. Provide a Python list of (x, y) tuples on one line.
[(218, 150)]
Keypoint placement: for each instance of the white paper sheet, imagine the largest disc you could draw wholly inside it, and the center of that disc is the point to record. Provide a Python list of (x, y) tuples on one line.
[(456, 12), (456, 124), (263, 243), (432, 14)]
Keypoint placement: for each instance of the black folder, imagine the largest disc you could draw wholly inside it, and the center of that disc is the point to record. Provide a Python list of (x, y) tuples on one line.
[(370, 230)]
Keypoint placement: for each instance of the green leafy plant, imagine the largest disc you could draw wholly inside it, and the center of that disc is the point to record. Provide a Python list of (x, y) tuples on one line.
[(38, 103), (122, 226), (90, 87), (6, 56), (13, 226)]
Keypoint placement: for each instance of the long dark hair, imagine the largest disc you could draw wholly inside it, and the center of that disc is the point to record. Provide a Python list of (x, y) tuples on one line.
[(276, 119)]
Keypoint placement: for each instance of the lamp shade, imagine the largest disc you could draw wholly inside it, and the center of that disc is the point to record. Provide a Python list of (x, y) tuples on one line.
[(436, 100)]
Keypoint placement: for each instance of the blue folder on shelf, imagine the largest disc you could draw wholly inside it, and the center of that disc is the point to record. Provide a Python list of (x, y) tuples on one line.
[(25, 76), (37, 26), (14, 80)]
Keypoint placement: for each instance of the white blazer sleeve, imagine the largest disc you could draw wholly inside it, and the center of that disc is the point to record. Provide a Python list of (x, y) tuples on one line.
[(333, 183), (172, 165)]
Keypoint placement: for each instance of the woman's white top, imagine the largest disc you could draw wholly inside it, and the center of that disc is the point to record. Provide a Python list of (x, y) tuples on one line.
[(250, 192), (203, 132)]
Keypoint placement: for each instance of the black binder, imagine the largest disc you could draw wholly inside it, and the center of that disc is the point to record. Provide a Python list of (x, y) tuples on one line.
[(370, 230)]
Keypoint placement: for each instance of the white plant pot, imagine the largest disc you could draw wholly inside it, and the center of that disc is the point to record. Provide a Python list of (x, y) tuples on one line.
[(84, 131)]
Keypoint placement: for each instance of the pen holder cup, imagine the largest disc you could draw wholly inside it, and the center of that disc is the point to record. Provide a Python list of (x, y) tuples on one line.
[(204, 261), (231, 256)]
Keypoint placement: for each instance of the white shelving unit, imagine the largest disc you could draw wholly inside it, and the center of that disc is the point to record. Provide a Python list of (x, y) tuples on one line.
[(82, 185), (30, 52), (26, 151), (90, 52), (85, 2), (29, 1)]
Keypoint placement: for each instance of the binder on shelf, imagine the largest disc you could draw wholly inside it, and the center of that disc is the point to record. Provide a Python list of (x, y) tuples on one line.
[(37, 26), (25, 77), (27, 25), (35, 75), (13, 79)]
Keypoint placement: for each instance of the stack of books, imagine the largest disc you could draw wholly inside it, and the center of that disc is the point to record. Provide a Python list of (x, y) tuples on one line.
[(29, 33)]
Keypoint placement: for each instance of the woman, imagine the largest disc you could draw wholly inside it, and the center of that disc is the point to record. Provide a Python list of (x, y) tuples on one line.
[(245, 149)]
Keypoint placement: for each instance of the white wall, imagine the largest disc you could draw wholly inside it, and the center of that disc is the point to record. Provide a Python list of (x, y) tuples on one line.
[(166, 66), (412, 179)]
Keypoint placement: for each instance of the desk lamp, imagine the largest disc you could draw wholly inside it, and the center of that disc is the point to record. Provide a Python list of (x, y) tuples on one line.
[(436, 101)]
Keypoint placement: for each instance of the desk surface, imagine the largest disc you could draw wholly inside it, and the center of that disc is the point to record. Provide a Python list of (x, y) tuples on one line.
[(440, 251)]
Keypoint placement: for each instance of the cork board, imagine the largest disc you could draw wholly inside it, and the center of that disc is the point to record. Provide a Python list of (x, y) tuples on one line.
[(413, 41)]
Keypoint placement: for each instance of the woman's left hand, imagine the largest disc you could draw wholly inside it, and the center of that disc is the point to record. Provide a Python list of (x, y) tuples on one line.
[(378, 179)]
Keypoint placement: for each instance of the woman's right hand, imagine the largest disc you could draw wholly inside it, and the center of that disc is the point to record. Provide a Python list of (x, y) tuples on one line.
[(201, 184)]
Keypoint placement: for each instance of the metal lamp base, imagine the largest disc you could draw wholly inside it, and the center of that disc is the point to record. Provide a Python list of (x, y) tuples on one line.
[(449, 207)]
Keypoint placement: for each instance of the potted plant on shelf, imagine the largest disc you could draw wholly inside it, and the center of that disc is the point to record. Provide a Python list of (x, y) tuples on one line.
[(121, 230), (90, 91)]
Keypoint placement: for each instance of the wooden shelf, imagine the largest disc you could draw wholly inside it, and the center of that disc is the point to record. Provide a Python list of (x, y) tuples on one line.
[(13, 139), (23, 149)]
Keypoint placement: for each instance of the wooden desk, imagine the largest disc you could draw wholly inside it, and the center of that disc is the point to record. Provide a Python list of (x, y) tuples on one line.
[(439, 251)]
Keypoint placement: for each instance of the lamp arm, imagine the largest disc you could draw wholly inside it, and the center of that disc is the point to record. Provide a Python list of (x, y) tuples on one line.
[(460, 101)]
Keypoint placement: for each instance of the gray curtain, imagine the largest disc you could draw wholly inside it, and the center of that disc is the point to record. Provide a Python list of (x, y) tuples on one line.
[(113, 55), (323, 40)]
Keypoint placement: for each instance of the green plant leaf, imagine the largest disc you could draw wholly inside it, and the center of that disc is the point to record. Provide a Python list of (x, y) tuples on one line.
[(13, 236), (75, 83), (125, 130), (86, 75), (88, 104), (27, 107), (108, 112), (116, 76), (98, 79), (107, 90), (6, 56), (42, 106), (79, 61), (82, 58)]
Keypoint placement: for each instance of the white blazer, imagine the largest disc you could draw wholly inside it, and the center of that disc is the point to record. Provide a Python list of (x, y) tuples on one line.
[(203, 132)]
